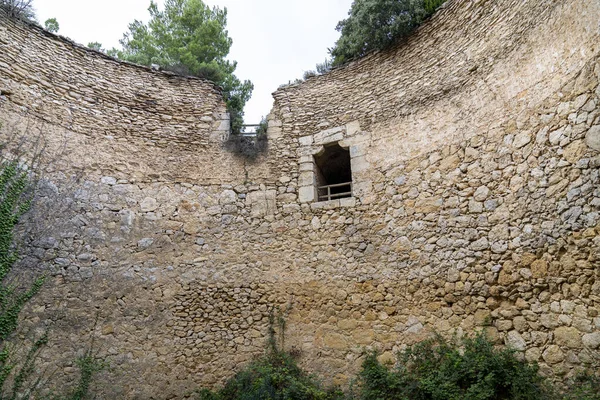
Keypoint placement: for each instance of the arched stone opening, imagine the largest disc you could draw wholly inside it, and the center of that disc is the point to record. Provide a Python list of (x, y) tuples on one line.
[(333, 172)]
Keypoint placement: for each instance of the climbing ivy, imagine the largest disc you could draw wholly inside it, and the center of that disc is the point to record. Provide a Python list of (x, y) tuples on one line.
[(15, 200)]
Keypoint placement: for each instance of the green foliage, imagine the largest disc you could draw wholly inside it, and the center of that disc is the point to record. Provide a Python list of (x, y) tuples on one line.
[(190, 38), (95, 46), (249, 147), (98, 47), (15, 200), (52, 25), (274, 376), (377, 24), (432, 5), (436, 370), (325, 66), (19, 379), (89, 365), (585, 386), (21, 387), (262, 127), (309, 74), (22, 9)]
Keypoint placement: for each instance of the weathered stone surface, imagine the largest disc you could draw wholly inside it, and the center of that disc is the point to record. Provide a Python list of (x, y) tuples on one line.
[(574, 151), (148, 204), (515, 341), (553, 354), (567, 337), (475, 202), (591, 340), (521, 139), (482, 193), (539, 268), (592, 138)]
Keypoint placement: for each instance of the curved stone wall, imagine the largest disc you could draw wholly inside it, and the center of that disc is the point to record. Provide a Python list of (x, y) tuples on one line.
[(151, 124), (475, 156)]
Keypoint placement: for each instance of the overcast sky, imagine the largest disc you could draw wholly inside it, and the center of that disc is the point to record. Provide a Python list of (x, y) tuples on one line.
[(274, 41)]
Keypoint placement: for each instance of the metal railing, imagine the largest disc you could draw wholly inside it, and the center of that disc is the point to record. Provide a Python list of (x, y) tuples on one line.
[(332, 196), (253, 133)]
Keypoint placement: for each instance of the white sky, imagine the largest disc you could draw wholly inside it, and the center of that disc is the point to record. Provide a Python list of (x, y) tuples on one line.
[(274, 41)]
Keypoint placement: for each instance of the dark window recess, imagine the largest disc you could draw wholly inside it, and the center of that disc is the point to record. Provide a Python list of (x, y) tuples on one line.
[(333, 173)]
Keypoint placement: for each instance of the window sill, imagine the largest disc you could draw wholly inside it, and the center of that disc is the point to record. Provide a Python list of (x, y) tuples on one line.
[(345, 202)]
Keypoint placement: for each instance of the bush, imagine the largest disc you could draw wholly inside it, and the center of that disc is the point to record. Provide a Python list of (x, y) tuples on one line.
[(249, 147), (585, 386), (274, 376), (22, 9), (436, 370)]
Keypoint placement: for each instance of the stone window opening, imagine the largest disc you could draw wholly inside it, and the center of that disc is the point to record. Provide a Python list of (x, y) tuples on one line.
[(333, 173)]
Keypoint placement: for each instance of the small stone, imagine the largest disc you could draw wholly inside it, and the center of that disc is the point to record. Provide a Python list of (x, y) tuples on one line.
[(521, 139), (453, 275), (482, 318), (471, 154), (515, 341), (516, 183), (591, 340), (475, 207), (482, 193), (553, 354), (568, 337), (539, 268), (479, 245), (227, 197), (520, 324), (401, 180), (499, 247), (62, 262), (145, 243), (108, 180), (592, 138), (387, 358), (490, 205), (503, 325), (108, 330), (556, 136), (335, 341), (148, 204), (542, 136), (574, 151), (85, 257), (533, 354)]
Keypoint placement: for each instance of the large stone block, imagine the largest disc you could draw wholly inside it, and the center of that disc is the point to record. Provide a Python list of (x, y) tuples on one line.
[(567, 337), (592, 138)]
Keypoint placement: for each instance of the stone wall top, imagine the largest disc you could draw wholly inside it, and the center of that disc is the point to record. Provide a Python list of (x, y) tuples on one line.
[(90, 93), (501, 48)]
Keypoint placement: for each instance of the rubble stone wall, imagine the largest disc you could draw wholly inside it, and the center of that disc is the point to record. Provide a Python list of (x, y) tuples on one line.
[(475, 151)]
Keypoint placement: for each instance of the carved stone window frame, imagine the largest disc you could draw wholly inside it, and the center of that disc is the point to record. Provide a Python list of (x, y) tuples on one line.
[(349, 137)]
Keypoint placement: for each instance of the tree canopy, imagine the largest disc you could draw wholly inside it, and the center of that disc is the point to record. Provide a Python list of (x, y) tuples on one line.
[(51, 25), (377, 24), (19, 8), (190, 38)]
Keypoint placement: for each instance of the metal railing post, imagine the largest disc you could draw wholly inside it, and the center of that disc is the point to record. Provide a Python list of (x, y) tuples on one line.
[(331, 196)]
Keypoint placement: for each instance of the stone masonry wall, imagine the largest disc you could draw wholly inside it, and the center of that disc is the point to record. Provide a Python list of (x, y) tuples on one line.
[(475, 151)]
